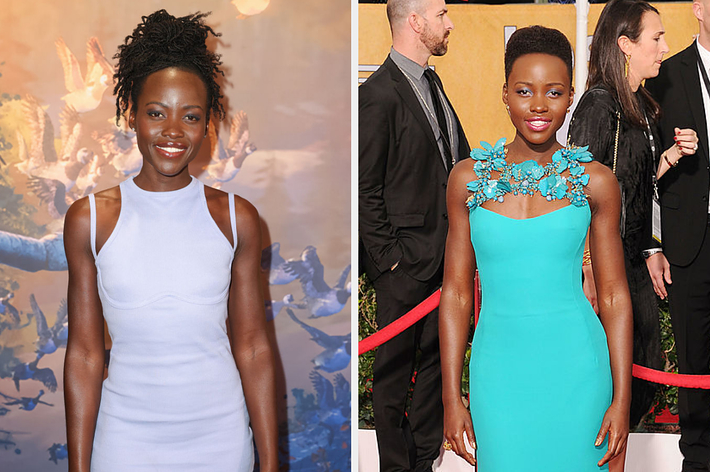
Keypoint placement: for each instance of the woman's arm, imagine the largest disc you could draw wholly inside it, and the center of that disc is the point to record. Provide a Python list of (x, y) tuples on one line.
[(614, 302), (686, 143), (455, 309), (251, 347), (84, 360)]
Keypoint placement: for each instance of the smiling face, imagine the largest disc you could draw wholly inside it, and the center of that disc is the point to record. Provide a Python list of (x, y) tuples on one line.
[(170, 122), (647, 52), (538, 93), (436, 27)]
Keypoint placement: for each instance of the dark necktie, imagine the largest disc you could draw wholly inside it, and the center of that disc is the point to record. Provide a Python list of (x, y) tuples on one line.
[(440, 115)]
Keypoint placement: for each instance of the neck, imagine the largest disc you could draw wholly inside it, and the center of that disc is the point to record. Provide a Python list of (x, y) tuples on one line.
[(152, 181), (704, 38), (634, 82), (412, 50), (523, 150)]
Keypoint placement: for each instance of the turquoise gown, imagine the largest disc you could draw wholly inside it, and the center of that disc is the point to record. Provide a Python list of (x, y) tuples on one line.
[(540, 378)]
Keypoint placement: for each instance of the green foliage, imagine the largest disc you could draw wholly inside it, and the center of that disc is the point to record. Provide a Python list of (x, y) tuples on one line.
[(366, 326)]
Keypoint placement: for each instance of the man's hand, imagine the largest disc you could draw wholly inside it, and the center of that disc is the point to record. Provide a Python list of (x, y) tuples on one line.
[(660, 270)]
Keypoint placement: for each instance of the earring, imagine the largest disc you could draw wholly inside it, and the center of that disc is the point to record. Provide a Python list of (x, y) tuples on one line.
[(626, 66), (507, 108), (568, 110)]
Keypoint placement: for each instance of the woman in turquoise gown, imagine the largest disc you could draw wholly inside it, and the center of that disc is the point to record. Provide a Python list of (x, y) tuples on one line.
[(549, 380)]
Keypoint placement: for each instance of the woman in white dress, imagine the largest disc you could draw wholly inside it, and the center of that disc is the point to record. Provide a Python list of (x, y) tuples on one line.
[(172, 267)]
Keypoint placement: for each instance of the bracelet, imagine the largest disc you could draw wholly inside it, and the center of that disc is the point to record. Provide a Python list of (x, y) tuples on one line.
[(668, 161), (587, 257), (649, 252)]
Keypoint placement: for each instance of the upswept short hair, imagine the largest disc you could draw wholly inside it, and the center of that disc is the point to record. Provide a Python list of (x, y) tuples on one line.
[(537, 40), (161, 41)]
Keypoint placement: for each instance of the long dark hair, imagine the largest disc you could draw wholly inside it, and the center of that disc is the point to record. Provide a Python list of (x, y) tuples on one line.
[(606, 62)]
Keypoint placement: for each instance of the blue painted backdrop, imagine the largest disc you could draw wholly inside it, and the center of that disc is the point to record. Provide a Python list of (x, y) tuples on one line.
[(285, 146)]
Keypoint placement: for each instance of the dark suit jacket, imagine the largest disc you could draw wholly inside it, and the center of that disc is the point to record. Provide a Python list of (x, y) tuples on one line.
[(683, 189), (402, 179)]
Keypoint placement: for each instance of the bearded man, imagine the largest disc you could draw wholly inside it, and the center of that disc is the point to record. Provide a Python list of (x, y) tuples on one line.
[(409, 139)]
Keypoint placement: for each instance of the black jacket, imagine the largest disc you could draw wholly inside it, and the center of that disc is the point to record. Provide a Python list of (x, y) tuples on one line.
[(402, 179), (683, 189)]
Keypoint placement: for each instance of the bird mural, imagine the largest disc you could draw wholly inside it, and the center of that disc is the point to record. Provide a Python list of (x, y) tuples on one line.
[(85, 93), (50, 339), (120, 149), (336, 354), (26, 403), (30, 371), (333, 409), (10, 317), (273, 263), (40, 159), (31, 254), (320, 300), (58, 452), (274, 307), (319, 432), (227, 161), (7, 441)]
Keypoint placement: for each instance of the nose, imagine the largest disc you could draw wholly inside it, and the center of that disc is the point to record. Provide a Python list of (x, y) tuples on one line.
[(448, 24), (538, 103), (664, 46), (173, 128)]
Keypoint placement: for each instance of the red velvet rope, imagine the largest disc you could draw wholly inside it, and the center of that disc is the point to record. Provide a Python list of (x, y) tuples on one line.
[(425, 307)]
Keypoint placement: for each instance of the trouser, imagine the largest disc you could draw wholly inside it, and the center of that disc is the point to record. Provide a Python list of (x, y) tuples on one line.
[(407, 439), (689, 297)]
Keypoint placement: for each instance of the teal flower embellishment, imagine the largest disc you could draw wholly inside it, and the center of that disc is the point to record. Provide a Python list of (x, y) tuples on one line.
[(489, 152), (474, 185), (529, 177), (553, 187), (580, 154)]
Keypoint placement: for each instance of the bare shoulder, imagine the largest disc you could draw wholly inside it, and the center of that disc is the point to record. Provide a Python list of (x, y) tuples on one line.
[(603, 185), (462, 173)]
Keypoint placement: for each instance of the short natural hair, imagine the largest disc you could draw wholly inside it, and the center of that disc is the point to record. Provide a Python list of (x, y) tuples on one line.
[(161, 41), (537, 40)]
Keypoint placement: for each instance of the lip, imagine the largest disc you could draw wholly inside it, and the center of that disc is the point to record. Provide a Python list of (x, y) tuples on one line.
[(538, 124), (170, 150)]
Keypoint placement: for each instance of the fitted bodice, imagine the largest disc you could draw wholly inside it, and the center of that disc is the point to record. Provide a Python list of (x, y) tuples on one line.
[(541, 258), (158, 236)]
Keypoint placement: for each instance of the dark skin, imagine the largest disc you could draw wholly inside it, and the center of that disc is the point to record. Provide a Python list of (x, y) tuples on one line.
[(170, 119), (538, 93)]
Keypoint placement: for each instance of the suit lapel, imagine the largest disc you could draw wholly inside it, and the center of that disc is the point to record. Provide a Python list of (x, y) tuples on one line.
[(691, 81), (404, 89)]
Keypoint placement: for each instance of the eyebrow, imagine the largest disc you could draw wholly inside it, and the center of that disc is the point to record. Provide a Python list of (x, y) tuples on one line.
[(547, 84), (186, 107)]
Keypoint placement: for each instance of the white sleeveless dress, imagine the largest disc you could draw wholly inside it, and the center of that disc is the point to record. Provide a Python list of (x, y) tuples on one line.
[(173, 399)]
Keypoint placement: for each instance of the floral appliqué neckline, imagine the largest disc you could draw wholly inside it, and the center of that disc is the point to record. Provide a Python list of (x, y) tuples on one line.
[(528, 177)]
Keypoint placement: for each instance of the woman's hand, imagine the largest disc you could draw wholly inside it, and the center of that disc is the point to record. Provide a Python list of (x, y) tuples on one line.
[(686, 143), (616, 425), (457, 421)]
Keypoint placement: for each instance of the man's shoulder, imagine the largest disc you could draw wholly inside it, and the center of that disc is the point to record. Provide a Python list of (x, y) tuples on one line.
[(671, 64), (380, 80)]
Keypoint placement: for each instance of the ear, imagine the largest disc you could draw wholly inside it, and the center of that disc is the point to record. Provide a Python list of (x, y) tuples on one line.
[(698, 10), (414, 22), (625, 44), (505, 93), (132, 118), (571, 97)]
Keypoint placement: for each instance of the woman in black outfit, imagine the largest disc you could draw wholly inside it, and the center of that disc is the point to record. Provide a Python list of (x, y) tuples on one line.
[(616, 117)]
